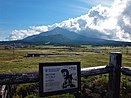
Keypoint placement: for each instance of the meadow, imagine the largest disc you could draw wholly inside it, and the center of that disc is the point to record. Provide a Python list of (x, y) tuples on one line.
[(12, 61)]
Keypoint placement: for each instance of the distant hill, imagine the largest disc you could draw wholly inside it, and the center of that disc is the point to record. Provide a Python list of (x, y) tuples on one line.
[(63, 36), (60, 36), (57, 35)]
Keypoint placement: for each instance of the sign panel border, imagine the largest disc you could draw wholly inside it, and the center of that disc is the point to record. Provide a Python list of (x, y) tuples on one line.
[(41, 82)]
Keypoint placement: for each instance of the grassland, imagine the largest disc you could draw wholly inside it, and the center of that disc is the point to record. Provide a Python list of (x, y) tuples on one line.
[(88, 56)]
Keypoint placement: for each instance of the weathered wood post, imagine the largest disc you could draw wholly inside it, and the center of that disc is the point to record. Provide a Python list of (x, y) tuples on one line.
[(9, 91), (115, 75)]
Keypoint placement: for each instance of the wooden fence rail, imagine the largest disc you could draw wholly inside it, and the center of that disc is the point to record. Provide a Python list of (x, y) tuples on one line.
[(126, 71), (114, 70), (18, 78)]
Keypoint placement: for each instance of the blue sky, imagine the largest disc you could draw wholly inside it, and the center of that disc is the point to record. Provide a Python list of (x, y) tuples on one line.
[(20, 14), (22, 18), (32, 12)]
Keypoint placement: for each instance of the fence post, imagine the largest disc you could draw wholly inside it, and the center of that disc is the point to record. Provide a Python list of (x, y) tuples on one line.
[(9, 91), (114, 75)]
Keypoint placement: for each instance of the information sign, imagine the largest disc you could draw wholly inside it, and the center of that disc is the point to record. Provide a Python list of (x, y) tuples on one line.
[(58, 78)]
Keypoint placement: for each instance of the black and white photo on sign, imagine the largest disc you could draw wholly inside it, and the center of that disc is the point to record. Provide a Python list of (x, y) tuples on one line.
[(68, 79), (60, 78)]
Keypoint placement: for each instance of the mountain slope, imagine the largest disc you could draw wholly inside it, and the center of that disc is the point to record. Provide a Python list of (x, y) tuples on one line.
[(63, 36), (57, 35)]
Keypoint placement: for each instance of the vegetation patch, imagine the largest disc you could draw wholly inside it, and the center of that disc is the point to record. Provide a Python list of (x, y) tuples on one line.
[(89, 56)]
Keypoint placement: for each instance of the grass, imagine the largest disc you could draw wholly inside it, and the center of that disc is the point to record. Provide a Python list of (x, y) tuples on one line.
[(88, 56), (19, 62)]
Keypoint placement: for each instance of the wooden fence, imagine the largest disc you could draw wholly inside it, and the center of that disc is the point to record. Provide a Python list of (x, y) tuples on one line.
[(114, 70)]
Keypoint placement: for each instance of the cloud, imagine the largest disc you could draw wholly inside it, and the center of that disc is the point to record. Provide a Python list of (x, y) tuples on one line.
[(97, 2), (106, 22), (20, 34)]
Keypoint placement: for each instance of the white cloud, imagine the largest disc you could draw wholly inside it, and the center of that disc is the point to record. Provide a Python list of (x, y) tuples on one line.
[(97, 2), (112, 23), (20, 34)]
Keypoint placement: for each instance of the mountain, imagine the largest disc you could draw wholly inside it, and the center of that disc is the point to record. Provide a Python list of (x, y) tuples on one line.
[(57, 35), (60, 36), (63, 36)]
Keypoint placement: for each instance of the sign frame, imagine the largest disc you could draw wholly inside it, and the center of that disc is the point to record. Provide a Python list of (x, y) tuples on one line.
[(52, 64)]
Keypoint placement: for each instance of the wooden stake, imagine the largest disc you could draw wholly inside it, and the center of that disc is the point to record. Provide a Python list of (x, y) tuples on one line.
[(114, 75)]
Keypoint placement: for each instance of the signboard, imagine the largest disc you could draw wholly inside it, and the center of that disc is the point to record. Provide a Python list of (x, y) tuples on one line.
[(58, 78)]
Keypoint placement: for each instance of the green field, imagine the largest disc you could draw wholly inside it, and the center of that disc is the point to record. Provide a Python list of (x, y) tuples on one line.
[(88, 56)]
